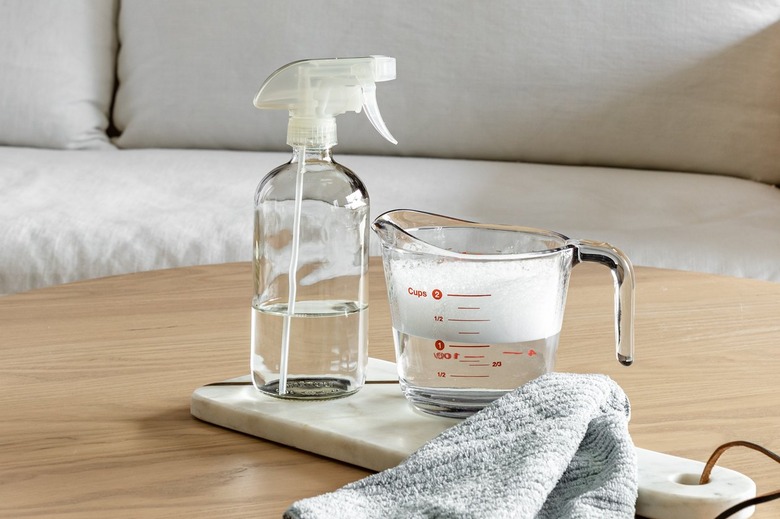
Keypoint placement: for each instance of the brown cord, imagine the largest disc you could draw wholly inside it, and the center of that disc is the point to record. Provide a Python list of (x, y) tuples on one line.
[(763, 498)]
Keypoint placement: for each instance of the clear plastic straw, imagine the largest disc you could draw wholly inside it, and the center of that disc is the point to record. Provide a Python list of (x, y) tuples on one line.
[(293, 273)]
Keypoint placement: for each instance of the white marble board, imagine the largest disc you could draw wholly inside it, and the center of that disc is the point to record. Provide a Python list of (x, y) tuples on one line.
[(376, 428)]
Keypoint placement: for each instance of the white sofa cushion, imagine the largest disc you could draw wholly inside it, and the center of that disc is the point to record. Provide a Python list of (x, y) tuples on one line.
[(58, 66), (685, 86), (69, 215)]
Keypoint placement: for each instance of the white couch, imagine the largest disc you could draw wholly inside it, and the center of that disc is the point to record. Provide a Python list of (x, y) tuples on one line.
[(128, 140)]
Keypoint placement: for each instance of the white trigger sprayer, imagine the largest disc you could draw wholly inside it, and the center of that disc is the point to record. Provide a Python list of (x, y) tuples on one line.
[(310, 335), (316, 91)]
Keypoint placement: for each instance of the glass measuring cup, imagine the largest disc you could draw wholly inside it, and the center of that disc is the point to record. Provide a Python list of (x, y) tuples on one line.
[(477, 308)]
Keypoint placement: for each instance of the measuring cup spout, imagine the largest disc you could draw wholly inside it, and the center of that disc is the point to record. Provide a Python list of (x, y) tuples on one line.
[(394, 229), (388, 231), (623, 277)]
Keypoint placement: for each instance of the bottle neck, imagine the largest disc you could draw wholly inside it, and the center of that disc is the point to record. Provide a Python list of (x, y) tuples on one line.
[(307, 155)]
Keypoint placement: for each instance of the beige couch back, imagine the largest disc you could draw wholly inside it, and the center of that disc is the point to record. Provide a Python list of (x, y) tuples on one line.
[(687, 86)]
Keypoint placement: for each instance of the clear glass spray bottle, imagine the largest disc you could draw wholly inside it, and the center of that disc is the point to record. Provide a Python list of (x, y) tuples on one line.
[(310, 307)]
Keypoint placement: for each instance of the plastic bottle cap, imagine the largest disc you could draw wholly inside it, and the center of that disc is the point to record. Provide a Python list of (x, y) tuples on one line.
[(312, 132)]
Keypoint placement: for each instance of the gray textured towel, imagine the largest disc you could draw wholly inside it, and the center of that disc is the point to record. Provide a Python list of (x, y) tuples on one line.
[(556, 447)]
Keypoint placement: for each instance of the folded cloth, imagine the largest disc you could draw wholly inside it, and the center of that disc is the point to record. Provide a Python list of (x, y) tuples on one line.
[(556, 447)]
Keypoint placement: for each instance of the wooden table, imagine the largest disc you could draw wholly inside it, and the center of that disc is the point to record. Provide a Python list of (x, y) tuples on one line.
[(96, 377)]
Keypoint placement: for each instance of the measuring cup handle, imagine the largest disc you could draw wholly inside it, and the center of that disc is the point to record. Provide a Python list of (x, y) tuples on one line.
[(623, 276)]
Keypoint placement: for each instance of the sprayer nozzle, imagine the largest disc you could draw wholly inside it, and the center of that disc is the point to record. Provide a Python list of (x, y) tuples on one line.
[(384, 68)]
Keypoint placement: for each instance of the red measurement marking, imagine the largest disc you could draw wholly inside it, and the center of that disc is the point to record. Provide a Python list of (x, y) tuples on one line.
[(469, 320), (470, 376), (469, 295), (469, 345), (479, 365), (473, 356), (512, 352), (467, 361)]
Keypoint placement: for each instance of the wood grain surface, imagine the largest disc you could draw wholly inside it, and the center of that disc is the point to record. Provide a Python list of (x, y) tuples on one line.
[(96, 377)]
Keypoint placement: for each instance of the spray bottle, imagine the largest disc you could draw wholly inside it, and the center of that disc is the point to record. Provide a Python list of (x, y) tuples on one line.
[(310, 305)]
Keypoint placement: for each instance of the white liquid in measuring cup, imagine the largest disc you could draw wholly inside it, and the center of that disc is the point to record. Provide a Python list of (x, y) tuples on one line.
[(457, 378), (466, 333), (436, 363)]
